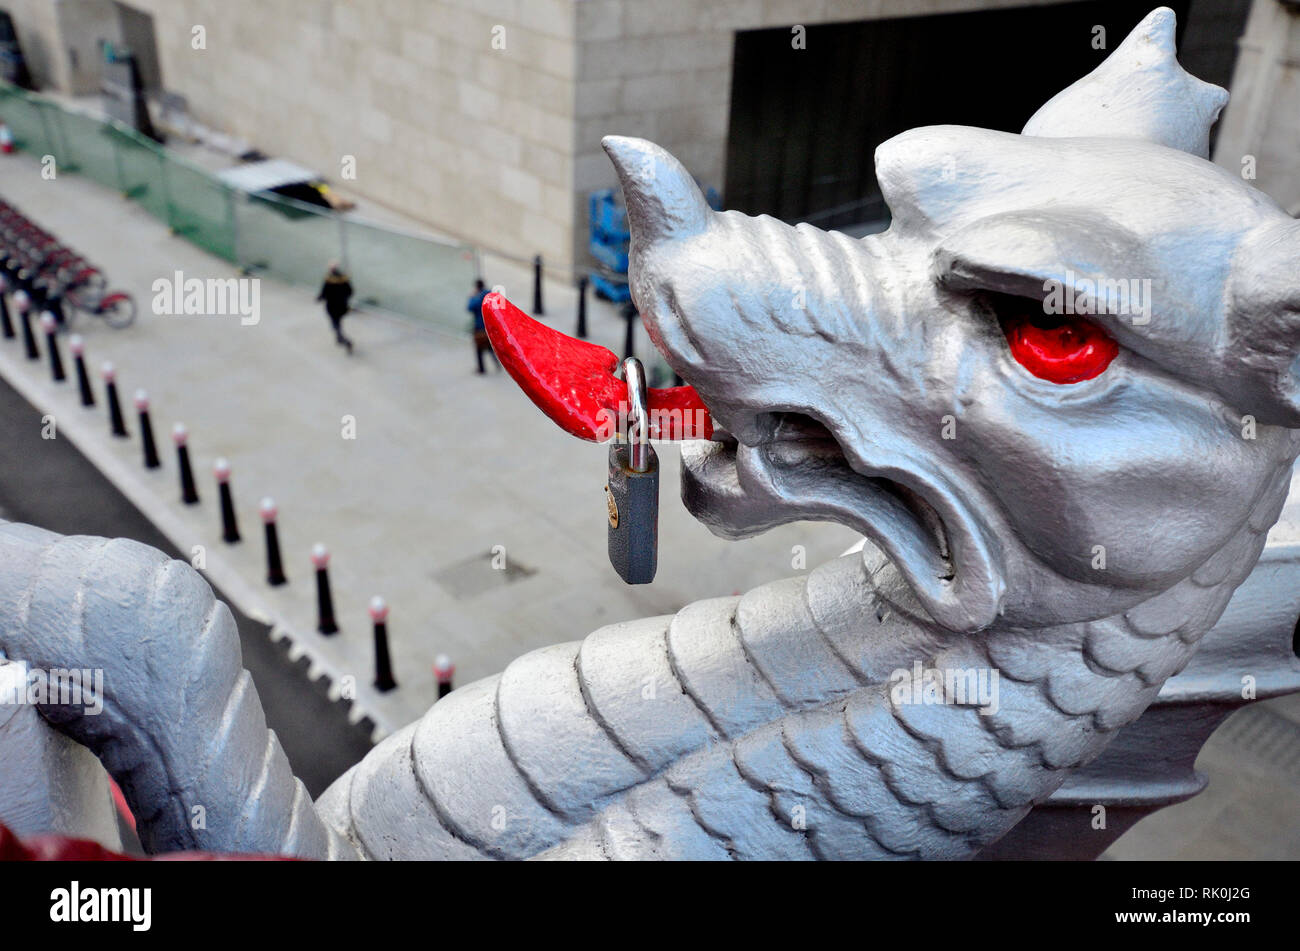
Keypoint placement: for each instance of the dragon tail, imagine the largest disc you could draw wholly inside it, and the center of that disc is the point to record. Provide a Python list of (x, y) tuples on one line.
[(181, 728)]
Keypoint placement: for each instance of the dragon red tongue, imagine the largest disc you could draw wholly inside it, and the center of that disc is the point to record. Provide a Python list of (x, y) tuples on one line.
[(573, 382)]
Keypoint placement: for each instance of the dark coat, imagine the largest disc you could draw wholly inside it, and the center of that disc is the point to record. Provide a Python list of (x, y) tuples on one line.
[(335, 292)]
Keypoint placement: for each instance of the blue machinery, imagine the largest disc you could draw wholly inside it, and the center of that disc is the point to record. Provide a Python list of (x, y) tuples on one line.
[(609, 238)]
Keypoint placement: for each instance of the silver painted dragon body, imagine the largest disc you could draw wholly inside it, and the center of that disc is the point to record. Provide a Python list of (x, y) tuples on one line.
[(1075, 540), (762, 727)]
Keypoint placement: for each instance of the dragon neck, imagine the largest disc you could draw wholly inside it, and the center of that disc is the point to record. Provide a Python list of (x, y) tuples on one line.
[(1060, 692)]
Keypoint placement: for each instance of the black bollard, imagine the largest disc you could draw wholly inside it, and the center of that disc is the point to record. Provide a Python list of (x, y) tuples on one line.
[(151, 460), (582, 307), (274, 566), (537, 286), (115, 420), (54, 304), (6, 325), (229, 530), (78, 348), (23, 304), (629, 339), (320, 557), (383, 667), (443, 671), (51, 327), (189, 491)]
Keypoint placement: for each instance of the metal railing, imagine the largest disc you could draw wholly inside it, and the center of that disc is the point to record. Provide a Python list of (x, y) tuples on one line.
[(409, 274)]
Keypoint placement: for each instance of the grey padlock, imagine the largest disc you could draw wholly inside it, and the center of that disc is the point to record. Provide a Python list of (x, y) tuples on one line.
[(632, 492)]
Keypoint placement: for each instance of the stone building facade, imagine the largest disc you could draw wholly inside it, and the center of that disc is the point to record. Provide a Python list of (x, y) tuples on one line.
[(1260, 131), (483, 118)]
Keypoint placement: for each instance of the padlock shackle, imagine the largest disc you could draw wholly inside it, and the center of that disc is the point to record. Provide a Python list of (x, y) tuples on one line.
[(638, 415)]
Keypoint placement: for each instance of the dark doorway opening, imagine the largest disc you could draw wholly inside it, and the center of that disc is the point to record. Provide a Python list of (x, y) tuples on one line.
[(138, 39), (805, 123)]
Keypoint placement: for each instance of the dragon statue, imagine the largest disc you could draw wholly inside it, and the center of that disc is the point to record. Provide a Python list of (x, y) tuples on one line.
[(1068, 504)]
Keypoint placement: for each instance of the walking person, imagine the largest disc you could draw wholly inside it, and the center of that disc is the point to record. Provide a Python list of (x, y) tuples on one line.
[(481, 341), (335, 292)]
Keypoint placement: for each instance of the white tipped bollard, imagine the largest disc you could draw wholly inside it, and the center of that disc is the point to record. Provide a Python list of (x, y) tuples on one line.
[(151, 460), (274, 566), (51, 328), (115, 421), (383, 665), (229, 528), (78, 348), (189, 491), (23, 304), (444, 670), (320, 559)]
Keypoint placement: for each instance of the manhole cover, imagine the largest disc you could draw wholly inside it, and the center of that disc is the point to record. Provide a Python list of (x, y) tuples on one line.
[(480, 573)]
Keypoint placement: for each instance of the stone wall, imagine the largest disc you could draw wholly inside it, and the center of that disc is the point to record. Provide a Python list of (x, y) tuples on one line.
[(474, 140), (497, 146), (61, 40), (501, 146), (1262, 122), (471, 136), (37, 25)]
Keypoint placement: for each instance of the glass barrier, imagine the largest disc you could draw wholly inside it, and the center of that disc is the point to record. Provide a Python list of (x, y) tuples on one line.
[(90, 150), (201, 208), (142, 170), (284, 238), (22, 113), (265, 234), (409, 274), (49, 116)]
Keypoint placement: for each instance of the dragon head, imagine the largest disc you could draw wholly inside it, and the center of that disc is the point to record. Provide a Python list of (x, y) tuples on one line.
[(1015, 464)]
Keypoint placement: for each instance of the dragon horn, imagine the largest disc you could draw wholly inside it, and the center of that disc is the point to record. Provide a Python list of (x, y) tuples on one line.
[(1139, 92), (662, 198)]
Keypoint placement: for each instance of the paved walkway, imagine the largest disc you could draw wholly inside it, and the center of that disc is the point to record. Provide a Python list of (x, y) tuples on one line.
[(50, 484), (1251, 808), (445, 465)]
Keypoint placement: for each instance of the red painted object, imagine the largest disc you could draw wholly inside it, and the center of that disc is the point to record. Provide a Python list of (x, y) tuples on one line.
[(1070, 353), (573, 382), (119, 801)]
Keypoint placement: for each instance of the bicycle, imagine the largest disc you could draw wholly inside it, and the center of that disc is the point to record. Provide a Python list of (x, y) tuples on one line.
[(116, 307), (44, 265)]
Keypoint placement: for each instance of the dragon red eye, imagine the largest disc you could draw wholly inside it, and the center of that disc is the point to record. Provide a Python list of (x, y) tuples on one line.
[(1070, 351)]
